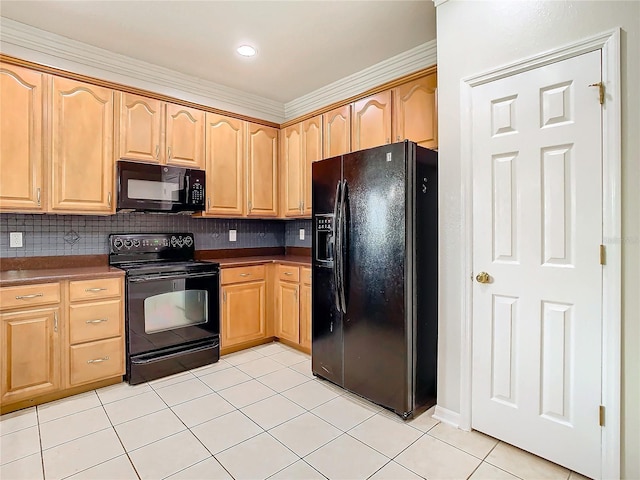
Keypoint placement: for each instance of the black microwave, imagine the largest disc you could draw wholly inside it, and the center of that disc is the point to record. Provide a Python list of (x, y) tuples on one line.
[(150, 187)]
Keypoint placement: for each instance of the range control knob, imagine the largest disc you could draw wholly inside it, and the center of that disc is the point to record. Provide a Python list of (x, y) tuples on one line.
[(174, 241), (180, 242), (128, 243), (117, 243), (136, 242), (188, 241)]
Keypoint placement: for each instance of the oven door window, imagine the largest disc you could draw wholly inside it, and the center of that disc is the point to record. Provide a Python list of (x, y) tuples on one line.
[(163, 191), (170, 310)]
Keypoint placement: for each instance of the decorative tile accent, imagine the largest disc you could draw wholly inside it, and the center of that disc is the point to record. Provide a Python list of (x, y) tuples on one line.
[(71, 237)]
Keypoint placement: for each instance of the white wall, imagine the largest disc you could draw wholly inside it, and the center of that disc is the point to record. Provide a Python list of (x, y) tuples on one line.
[(474, 37)]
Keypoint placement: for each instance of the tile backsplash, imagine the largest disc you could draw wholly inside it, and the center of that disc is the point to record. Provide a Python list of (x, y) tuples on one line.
[(55, 235), (292, 233)]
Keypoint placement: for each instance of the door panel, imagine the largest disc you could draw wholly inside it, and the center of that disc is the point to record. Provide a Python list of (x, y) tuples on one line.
[(225, 165), (337, 131), (537, 230), (288, 319), (262, 171), (139, 129), (305, 316), (185, 136), (371, 125), (243, 313), (375, 334), (291, 159), (21, 142), (311, 152), (82, 147), (415, 114)]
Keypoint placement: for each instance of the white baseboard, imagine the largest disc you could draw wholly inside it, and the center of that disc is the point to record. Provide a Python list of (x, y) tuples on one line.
[(447, 416)]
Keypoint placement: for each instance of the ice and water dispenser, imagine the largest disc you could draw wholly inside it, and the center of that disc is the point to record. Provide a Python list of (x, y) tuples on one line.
[(325, 239)]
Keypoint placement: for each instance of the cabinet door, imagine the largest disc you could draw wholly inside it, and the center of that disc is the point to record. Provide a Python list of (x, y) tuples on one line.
[(288, 311), (81, 147), (337, 131), (30, 342), (225, 169), (138, 134), (291, 168), (371, 126), (262, 171), (243, 313), (415, 116), (305, 316), (185, 136), (311, 152), (21, 142)]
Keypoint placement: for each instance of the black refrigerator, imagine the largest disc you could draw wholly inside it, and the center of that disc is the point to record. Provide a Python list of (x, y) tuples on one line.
[(375, 274)]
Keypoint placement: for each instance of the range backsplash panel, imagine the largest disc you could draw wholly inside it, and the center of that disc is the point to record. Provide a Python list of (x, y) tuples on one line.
[(55, 235)]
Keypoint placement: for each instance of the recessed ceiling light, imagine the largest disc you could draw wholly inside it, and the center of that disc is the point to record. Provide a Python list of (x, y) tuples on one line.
[(246, 50)]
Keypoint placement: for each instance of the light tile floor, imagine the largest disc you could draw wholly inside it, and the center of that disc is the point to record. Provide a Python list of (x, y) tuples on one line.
[(255, 414)]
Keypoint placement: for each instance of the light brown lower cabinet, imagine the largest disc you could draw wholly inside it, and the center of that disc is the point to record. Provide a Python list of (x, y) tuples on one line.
[(243, 309), (305, 308), (59, 338), (293, 305)]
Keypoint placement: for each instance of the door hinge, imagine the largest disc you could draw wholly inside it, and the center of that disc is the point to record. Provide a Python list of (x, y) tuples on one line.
[(603, 255), (602, 415), (600, 86)]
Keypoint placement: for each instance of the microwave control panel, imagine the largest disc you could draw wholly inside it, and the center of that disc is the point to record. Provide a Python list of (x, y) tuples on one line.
[(197, 193)]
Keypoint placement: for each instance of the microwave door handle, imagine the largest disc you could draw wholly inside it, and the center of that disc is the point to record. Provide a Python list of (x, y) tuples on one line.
[(186, 191)]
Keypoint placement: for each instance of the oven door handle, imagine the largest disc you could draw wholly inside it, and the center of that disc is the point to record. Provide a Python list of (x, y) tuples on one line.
[(149, 278)]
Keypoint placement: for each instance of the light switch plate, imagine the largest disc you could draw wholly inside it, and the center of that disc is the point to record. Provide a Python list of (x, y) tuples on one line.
[(232, 235), (302, 234), (15, 239)]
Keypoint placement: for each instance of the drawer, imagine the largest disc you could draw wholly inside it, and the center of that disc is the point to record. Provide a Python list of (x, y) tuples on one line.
[(29, 295), (95, 321), (94, 361), (305, 275), (288, 273), (98, 288), (242, 274)]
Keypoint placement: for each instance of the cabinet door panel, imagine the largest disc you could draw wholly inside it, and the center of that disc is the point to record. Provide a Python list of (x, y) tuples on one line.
[(21, 142), (337, 131), (305, 316), (288, 316), (82, 147), (243, 313), (225, 169), (139, 128), (262, 166), (311, 152), (291, 162), (415, 114), (371, 125), (185, 136), (30, 354)]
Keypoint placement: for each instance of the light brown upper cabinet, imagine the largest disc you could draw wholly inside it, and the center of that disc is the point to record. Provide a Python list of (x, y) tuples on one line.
[(21, 139), (415, 115), (337, 131), (262, 171), (154, 131), (371, 125), (291, 169), (311, 152), (225, 154), (81, 172)]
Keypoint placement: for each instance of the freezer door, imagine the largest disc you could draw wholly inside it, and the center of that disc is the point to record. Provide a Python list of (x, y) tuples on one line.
[(326, 319), (376, 357)]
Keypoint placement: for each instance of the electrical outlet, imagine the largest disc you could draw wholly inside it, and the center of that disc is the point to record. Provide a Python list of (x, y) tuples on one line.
[(15, 240), (232, 235), (302, 234)]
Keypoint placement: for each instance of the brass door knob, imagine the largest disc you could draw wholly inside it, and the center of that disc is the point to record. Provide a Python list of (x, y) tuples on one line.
[(483, 277)]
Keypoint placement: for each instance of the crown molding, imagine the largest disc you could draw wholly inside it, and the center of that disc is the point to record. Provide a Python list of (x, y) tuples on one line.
[(437, 3), (417, 58), (33, 44)]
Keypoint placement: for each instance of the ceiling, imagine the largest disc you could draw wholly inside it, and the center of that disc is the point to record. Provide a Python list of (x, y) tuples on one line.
[(302, 45)]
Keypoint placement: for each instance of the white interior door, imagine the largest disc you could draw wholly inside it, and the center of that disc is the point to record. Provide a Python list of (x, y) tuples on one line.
[(537, 230)]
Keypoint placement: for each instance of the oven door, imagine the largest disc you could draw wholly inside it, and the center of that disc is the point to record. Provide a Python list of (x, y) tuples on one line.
[(170, 310)]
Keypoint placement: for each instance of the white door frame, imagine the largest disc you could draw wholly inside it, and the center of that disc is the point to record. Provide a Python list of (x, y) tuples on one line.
[(609, 44)]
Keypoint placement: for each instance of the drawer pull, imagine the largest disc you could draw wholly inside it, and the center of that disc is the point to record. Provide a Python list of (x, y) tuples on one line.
[(27, 297), (98, 360), (245, 274), (288, 273), (97, 320), (94, 289)]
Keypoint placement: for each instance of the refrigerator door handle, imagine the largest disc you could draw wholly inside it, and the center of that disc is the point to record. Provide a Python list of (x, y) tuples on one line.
[(343, 241), (336, 249)]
